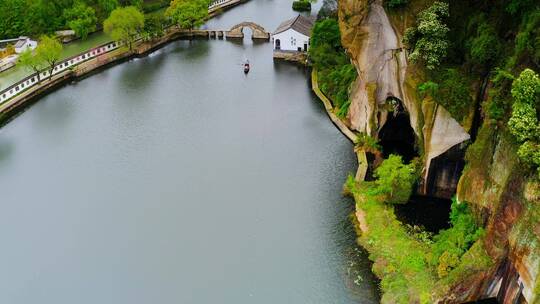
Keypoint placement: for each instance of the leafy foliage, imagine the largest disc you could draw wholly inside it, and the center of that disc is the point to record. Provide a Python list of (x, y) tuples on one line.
[(367, 143), (152, 6), (523, 123), (188, 14), (326, 32), (528, 39), (485, 47), (454, 93), (336, 74), (395, 180), (28, 60), (124, 24), (428, 41), (452, 243), (428, 88), (32, 18), (301, 6), (81, 18), (49, 51), (154, 26)]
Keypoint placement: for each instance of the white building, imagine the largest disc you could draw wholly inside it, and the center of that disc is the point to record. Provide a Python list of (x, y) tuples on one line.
[(293, 35), (23, 44)]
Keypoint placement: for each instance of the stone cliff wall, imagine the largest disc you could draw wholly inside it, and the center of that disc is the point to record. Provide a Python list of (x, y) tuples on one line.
[(375, 48), (507, 202), (501, 197)]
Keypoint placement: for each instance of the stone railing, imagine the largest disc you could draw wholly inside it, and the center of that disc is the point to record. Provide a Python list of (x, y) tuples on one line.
[(32, 80), (218, 3)]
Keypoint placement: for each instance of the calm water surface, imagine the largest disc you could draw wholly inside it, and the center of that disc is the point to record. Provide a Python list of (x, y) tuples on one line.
[(177, 179)]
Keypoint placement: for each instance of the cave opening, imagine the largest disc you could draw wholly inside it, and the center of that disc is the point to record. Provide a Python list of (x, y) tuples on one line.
[(431, 212), (445, 171), (397, 136)]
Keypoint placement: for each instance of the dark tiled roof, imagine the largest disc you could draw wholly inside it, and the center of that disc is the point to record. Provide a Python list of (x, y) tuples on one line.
[(300, 24)]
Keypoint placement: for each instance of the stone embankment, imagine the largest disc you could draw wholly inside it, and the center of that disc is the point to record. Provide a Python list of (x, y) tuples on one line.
[(292, 56), (23, 92), (360, 154)]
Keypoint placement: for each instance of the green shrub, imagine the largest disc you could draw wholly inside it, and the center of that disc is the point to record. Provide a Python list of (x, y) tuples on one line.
[(395, 180), (153, 6), (498, 105), (523, 123), (301, 6), (453, 93), (367, 143), (428, 88), (528, 39), (428, 41), (452, 243), (485, 48), (336, 74)]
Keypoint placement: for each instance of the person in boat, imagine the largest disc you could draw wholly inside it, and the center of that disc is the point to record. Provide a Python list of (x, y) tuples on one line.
[(246, 66)]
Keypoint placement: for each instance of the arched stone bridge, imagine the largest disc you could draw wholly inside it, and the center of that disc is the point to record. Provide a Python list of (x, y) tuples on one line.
[(258, 31)]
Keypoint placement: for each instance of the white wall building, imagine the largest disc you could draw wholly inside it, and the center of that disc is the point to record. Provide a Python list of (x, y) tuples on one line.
[(293, 35), (23, 44)]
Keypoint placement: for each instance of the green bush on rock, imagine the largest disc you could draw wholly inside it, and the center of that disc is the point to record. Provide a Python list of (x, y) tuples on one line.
[(395, 180), (301, 6), (428, 41), (523, 123)]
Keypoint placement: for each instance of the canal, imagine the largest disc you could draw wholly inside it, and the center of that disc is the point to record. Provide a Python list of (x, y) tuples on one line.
[(175, 178)]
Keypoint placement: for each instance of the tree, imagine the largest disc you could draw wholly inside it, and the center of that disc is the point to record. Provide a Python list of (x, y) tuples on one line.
[(326, 32), (49, 50), (523, 123), (188, 14), (81, 18), (485, 47), (136, 3), (395, 180), (105, 7), (124, 24), (11, 23), (154, 26), (428, 42), (30, 61)]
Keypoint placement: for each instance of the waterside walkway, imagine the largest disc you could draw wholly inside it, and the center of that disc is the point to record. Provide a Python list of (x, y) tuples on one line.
[(360, 154)]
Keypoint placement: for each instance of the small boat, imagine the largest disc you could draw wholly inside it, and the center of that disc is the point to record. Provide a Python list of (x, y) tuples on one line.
[(246, 67)]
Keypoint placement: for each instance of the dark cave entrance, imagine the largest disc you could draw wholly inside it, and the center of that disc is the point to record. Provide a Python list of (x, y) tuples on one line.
[(445, 171), (430, 213), (397, 136)]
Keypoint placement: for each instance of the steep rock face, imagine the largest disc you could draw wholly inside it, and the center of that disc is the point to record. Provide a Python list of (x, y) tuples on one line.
[(506, 200), (492, 183), (376, 50)]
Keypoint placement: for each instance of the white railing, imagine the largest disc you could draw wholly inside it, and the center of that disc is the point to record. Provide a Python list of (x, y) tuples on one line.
[(218, 3), (32, 80)]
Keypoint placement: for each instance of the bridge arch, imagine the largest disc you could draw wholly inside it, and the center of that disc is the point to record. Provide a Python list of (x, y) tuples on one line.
[(258, 31)]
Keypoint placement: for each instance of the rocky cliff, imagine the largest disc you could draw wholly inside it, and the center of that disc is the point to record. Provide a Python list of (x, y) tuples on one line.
[(503, 199), (375, 48)]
